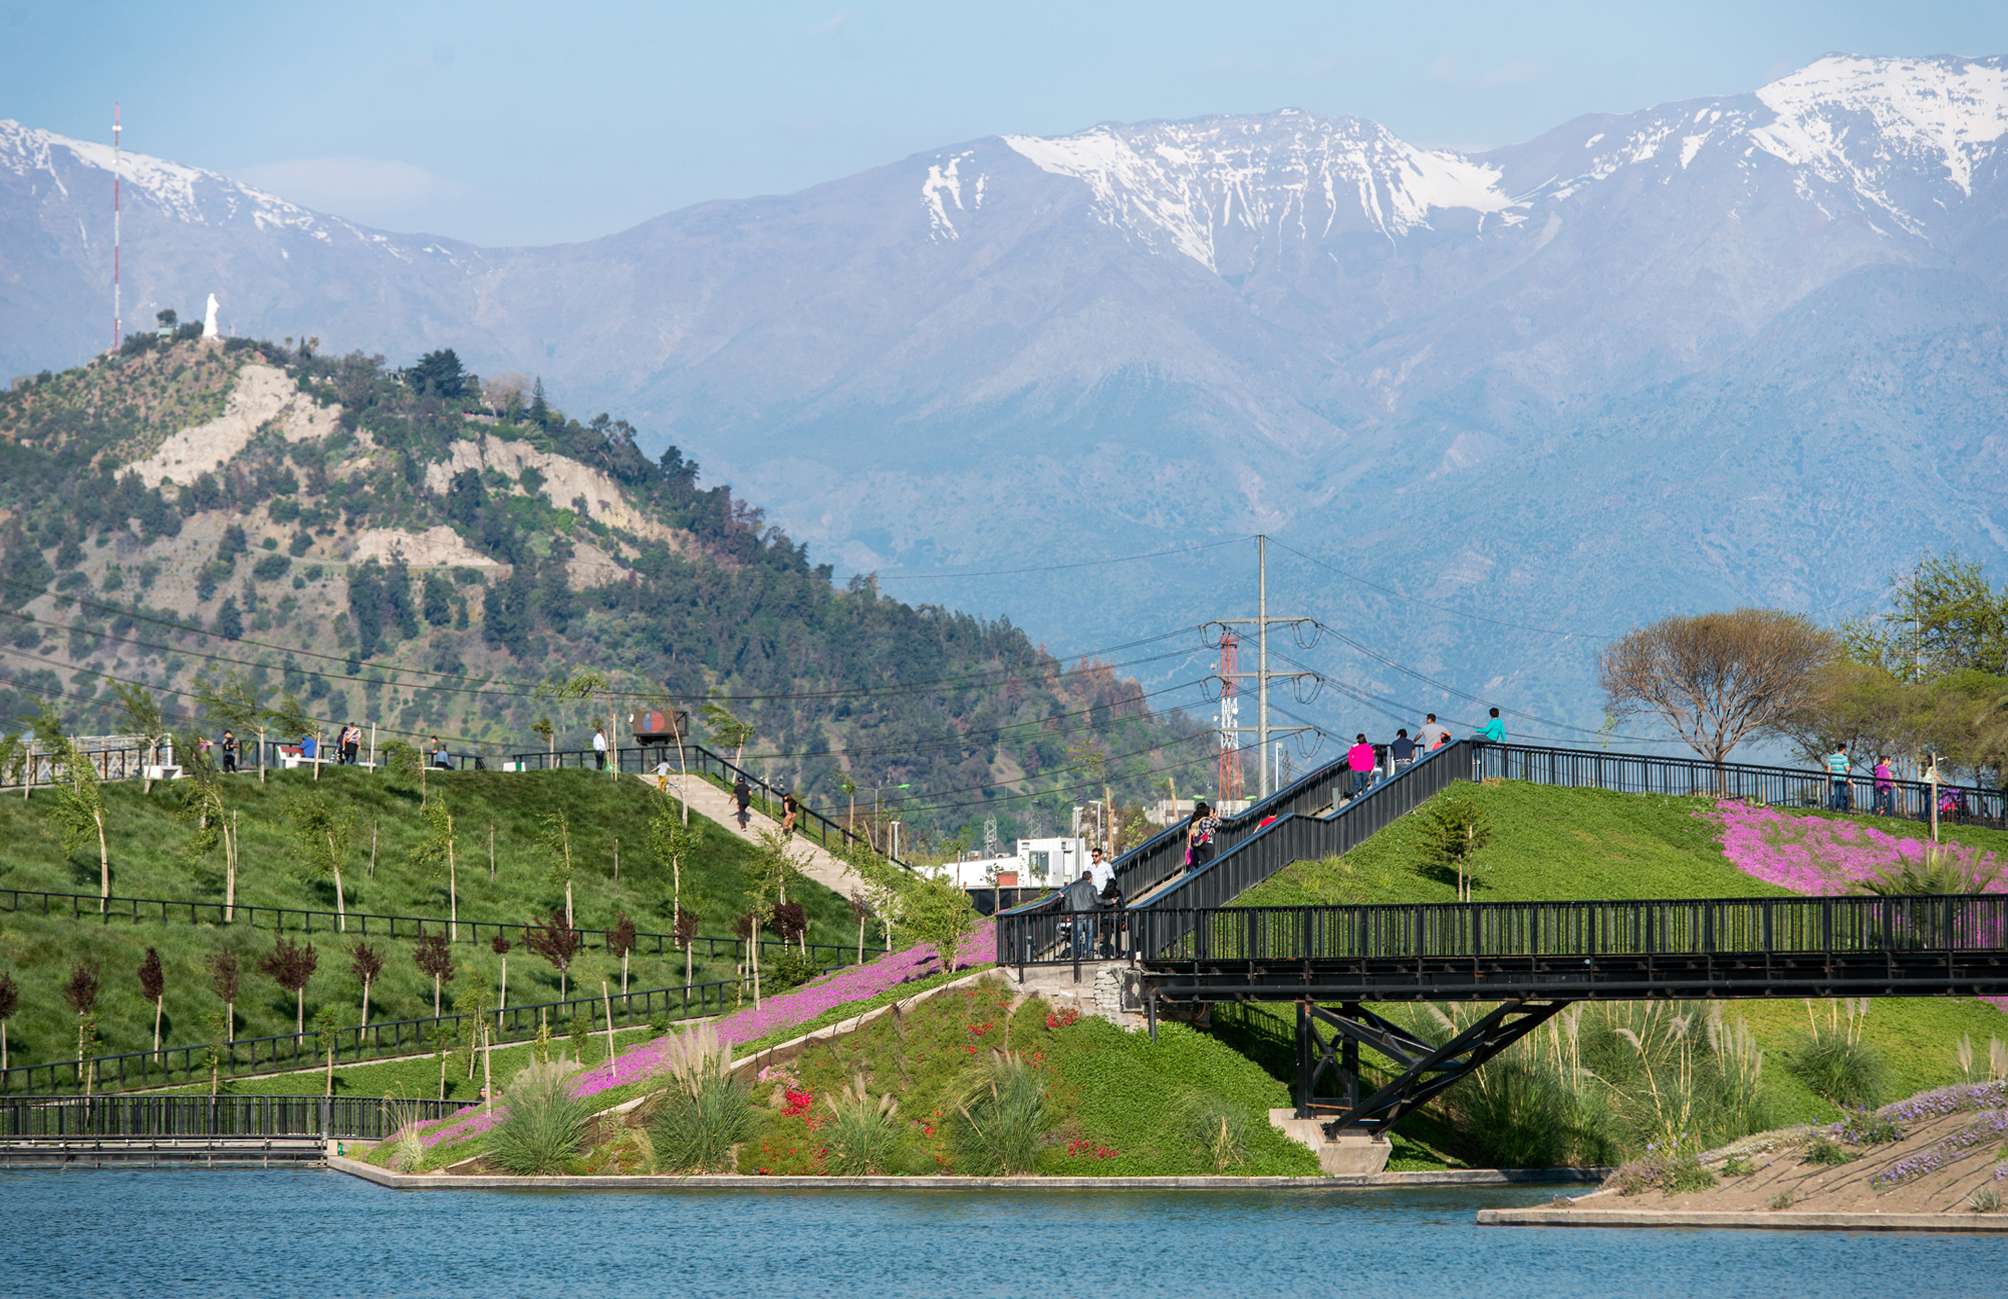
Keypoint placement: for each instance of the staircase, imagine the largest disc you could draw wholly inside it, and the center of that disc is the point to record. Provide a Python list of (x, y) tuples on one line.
[(810, 858)]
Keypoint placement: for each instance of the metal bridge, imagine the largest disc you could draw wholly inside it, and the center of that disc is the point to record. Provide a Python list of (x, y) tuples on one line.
[(95, 1131), (1526, 959)]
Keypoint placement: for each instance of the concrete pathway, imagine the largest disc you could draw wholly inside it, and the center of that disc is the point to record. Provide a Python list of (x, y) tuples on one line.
[(812, 859)]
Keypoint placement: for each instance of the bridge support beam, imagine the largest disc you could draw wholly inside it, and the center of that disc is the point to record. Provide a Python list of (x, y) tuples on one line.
[(1328, 1059)]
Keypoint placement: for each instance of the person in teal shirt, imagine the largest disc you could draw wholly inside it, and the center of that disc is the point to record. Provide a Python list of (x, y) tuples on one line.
[(1494, 730), (1839, 765)]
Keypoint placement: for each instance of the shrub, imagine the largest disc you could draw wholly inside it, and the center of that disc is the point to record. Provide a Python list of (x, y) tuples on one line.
[(1001, 1124), (1782, 1200), (406, 1152), (1218, 1129), (791, 969), (1984, 1200), (1825, 1151), (705, 1111), (1737, 1166), (1846, 1072), (864, 1134), (546, 1125), (1674, 1174), (1861, 1126)]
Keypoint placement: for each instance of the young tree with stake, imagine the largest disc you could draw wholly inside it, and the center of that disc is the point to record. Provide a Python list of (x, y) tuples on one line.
[(553, 938), (434, 957), (670, 842), (82, 993), (223, 976), (212, 824), (323, 836), (143, 719), (291, 965), (500, 946), (80, 800), (434, 853), (328, 1023), (10, 1001), (728, 730), (557, 844), (366, 963), (620, 941), (153, 986)]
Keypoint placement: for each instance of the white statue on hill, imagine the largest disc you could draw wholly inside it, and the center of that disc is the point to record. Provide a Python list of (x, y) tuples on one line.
[(209, 329)]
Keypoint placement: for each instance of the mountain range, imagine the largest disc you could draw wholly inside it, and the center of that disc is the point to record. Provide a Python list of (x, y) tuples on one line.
[(1749, 348)]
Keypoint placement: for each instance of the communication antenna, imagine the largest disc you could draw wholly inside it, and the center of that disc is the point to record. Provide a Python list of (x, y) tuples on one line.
[(118, 170), (1228, 782)]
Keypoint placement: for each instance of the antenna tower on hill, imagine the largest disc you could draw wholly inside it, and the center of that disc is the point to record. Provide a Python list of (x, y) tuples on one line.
[(1229, 783)]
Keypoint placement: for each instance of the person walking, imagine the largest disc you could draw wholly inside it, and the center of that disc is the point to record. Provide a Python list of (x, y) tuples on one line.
[(352, 744), (790, 809), (229, 751), (1360, 762), (1082, 902), (1199, 835), (1401, 751), (742, 797), (1885, 804), (1433, 734), (1098, 869), (1839, 767), (1494, 730), (1112, 923), (599, 748)]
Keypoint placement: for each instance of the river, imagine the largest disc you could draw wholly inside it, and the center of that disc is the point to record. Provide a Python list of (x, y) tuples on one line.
[(315, 1233)]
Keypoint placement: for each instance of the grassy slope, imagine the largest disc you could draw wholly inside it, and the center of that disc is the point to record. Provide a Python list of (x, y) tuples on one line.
[(148, 860), (1562, 843)]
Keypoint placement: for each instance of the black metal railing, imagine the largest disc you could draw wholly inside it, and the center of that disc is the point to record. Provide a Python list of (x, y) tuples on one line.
[(363, 924), (348, 1117), (705, 764), (1631, 773), (191, 1063), (1752, 928)]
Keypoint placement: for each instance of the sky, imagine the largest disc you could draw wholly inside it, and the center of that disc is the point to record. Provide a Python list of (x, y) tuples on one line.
[(512, 123)]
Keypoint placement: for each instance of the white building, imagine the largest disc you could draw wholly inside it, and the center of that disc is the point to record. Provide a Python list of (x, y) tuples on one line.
[(1038, 863)]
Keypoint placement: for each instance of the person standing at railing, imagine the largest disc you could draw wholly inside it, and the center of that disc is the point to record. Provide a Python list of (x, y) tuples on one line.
[(599, 748), (1199, 835), (1839, 767), (742, 797), (1360, 762), (1885, 804), (1112, 923), (1433, 735), (1494, 730), (1400, 752), (1082, 903), (229, 751)]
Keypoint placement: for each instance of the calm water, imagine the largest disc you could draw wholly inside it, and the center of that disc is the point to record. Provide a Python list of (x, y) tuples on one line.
[(318, 1233)]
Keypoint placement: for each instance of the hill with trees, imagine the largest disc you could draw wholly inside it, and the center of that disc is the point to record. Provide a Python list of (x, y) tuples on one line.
[(429, 551)]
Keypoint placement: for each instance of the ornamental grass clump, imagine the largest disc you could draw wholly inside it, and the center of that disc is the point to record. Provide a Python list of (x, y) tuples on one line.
[(1001, 1124), (705, 1111), (546, 1126), (1218, 1129), (864, 1135), (404, 1151), (1834, 1061)]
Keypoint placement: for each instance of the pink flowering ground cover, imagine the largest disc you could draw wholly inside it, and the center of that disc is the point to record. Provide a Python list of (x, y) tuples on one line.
[(797, 1006), (1825, 857)]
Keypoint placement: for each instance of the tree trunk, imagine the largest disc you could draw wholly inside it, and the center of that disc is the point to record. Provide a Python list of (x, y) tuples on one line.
[(341, 907), (617, 860), (370, 874), (689, 958), (861, 938), (299, 1010), (608, 1003), (502, 994), (624, 969), (683, 769), (442, 1075), (104, 866), (676, 895), (156, 1024), (452, 894), (568, 902), (317, 776), (487, 1070), (435, 996), (366, 1003), (562, 974), (491, 851), (229, 1022), (753, 958), (230, 870), (261, 757), (3, 1046), (331, 1040)]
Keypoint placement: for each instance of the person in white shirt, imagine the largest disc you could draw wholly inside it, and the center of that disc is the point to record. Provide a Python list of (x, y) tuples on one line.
[(1432, 735), (1098, 870), (600, 747)]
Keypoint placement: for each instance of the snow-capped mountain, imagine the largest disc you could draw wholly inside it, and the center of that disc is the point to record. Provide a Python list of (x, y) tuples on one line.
[(1741, 324)]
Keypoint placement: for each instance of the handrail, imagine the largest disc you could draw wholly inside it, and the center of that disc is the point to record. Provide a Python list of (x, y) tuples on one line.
[(360, 1118), (191, 1061), (85, 906), (646, 757)]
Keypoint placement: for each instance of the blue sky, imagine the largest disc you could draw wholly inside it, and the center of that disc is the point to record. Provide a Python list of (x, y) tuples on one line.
[(536, 122)]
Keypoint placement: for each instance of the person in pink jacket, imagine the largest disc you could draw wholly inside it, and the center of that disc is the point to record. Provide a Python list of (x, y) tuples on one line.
[(1360, 762)]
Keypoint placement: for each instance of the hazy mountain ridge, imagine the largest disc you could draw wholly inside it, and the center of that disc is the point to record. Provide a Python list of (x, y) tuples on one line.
[(1288, 321)]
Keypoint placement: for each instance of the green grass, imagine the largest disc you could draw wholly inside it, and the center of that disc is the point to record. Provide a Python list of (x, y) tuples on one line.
[(1112, 1093), (149, 859), (1558, 844)]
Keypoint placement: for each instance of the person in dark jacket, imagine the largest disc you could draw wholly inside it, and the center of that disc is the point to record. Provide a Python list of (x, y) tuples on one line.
[(1112, 922), (1082, 901), (742, 795), (229, 751)]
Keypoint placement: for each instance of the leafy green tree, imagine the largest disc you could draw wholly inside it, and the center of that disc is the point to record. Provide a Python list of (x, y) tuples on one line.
[(366, 963), (323, 839), (439, 373), (671, 842), (588, 686), (939, 913), (327, 1024), (143, 719), (212, 824), (80, 801), (233, 702), (289, 717), (1455, 831), (728, 730), (434, 853)]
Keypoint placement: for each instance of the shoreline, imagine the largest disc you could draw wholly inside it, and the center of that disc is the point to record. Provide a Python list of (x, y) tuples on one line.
[(384, 1177), (1729, 1219)]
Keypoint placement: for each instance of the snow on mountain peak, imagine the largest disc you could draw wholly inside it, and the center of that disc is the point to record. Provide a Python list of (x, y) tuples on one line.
[(1184, 186), (1949, 111)]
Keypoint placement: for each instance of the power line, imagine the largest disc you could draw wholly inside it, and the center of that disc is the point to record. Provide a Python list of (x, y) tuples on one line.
[(1048, 793), (1056, 568), (1452, 610)]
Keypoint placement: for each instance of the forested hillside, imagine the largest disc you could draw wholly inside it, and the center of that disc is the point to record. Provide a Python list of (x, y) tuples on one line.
[(423, 549)]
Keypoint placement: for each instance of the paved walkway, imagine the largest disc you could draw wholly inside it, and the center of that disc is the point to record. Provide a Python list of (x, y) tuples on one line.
[(812, 859)]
